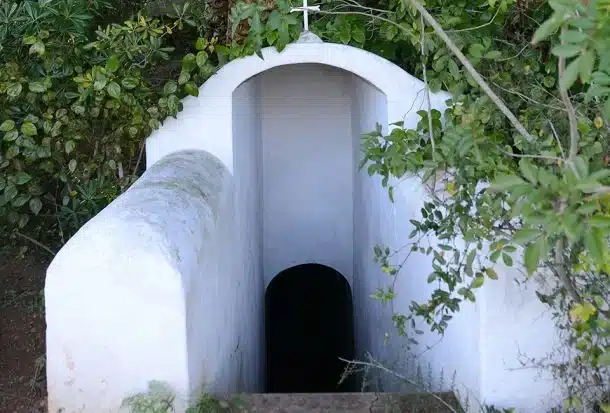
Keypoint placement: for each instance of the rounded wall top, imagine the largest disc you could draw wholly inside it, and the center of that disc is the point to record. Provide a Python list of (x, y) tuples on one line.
[(383, 74), (205, 123)]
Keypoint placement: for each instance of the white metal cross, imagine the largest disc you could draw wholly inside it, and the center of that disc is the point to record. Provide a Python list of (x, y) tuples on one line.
[(305, 8)]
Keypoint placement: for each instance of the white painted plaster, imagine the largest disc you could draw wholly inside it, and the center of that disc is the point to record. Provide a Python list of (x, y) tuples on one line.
[(124, 297), (307, 168), (167, 282)]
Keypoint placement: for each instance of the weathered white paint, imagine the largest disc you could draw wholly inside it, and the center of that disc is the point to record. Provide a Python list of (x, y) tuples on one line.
[(124, 302), (307, 168), (167, 282)]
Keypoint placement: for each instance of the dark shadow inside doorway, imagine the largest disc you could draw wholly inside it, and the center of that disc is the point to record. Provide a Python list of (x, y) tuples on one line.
[(308, 326)]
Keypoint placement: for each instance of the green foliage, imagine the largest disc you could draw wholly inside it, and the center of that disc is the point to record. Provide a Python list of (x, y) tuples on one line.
[(75, 107), (159, 398), (499, 198)]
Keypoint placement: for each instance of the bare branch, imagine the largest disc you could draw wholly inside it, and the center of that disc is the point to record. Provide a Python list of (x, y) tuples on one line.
[(37, 243), (565, 98), (457, 52), (375, 364), (425, 72)]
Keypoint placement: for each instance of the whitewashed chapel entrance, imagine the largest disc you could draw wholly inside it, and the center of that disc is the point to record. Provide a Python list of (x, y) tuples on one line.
[(256, 175)]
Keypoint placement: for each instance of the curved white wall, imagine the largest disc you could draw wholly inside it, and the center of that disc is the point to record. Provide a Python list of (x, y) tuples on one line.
[(147, 290)]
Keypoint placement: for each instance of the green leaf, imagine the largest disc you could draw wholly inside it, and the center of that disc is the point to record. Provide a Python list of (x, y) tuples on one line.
[(22, 178), (358, 34), (113, 64), (491, 273), (345, 34), (586, 65), (37, 87), (35, 205), (493, 55), (7, 125), (596, 245), (508, 260), (72, 165), (571, 74), (600, 221), (183, 78), (477, 282), (547, 28), (37, 47), (14, 90), (566, 50), (129, 82), (574, 36), (189, 62), (476, 50), (114, 90), (100, 84), (11, 136), (69, 146), (192, 89), (201, 44), (531, 257), (10, 192), (528, 170), (28, 129), (170, 88), (201, 59), (29, 40), (504, 182)]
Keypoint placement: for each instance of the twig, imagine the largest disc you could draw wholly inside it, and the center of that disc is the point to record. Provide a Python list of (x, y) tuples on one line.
[(425, 72), (135, 169), (477, 27), (563, 155), (456, 51), (473, 72), (380, 366), (37, 243), (565, 98), (547, 158), (561, 271), (527, 98)]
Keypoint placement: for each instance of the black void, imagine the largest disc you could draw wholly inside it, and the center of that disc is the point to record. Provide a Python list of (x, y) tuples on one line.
[(309, 324)]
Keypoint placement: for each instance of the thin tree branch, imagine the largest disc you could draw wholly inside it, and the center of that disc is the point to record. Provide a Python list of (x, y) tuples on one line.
[(377, 365), (37, 243), (547, 158), (561, 270), (565, 98), (470, 68), (476, 27), (425, 72), (456, 51)]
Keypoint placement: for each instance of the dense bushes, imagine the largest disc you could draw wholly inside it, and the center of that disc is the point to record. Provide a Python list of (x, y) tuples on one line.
[(75, 105)]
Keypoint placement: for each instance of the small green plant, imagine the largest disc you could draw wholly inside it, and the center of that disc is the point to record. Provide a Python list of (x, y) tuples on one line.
[(159, 398)]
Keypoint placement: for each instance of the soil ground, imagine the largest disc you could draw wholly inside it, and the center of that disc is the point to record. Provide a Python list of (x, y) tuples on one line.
[(22, 334)]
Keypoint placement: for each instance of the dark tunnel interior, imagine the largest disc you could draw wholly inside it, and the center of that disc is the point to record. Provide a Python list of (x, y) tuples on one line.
[(308, 326)]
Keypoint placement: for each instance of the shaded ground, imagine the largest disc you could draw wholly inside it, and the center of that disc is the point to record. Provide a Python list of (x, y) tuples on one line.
[(22, 347)]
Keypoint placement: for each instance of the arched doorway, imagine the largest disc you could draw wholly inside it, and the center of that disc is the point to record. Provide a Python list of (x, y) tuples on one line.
[(308, 326)]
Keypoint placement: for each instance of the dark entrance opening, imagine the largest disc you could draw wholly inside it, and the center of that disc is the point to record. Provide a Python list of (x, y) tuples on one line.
[(308, 325)]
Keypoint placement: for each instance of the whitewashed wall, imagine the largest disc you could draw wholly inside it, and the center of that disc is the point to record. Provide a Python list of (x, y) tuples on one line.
[(149, 289), (307, 168), (248, 232)]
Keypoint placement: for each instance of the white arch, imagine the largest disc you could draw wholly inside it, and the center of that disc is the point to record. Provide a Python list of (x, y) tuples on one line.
[(206, 121)]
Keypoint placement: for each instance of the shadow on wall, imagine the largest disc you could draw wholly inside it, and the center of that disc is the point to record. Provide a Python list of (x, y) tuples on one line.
[(308, 326)]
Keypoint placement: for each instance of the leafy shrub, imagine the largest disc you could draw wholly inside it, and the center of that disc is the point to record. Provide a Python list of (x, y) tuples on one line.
[(75, 107)]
